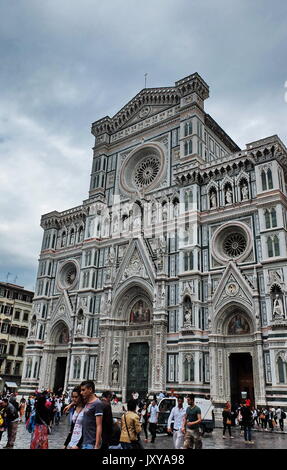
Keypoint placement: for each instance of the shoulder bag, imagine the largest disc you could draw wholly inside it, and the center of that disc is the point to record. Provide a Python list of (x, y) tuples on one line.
[(135, 444)]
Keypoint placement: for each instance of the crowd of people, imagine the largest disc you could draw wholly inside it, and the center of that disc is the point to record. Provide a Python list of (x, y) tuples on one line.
[(248, 418), (92, 425)]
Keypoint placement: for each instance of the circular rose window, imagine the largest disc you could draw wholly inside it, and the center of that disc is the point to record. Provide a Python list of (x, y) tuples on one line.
[(234, 245), (143, 169), (146, 171), (231, 241), (68, 275)]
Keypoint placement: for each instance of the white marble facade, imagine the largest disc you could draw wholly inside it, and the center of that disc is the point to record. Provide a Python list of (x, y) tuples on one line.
[(181, 246)]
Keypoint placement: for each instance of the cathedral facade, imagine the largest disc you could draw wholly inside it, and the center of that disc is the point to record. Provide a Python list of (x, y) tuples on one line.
[(172, 273)]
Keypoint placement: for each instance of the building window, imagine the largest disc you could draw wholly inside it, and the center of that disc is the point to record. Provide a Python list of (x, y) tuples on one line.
[(17, 315), (263, 181), (206, 372), (172, 367), (273, 217), (188, 367), (188, 128), (188, 200), (11, 349), (17, 368), (20, 350), (267, 219), (173, 321), (281, 365), (188, 261), (77, 368), (269, 179), (25, 316)]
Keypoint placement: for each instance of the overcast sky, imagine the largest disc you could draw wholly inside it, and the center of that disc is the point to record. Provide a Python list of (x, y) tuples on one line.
[(67, 63)]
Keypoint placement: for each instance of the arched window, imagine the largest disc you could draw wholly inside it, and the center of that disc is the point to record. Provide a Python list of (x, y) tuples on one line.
[(191, 370), (28, 368), (263, 181), (267, 219), (186, 148), (49, 269), (269, 178), (175, 204), (54, 241), (190, 147), (85, 376), (35, 369), (274, 217), (276, 246), (281, 371), (188, 261), (270, 247), (47, 289)]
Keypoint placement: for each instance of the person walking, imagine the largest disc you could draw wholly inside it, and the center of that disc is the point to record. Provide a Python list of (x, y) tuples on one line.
[(226, 415), (246, 414), (22, 408), (58, 408), (153, 412), (190, 427), (12, 419), (130, 427), (41, 430), (107, 420), (176, 416), (75, 436), (270, 418), (2, 418), (143, 415), (93, 417)]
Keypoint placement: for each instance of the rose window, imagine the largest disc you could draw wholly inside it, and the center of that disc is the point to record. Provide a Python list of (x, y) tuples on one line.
[(68, 275), (146, 171), (234, 245)]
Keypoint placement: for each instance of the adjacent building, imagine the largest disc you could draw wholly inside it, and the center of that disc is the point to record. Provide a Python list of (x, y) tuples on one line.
[(172, 273), (15, 313)]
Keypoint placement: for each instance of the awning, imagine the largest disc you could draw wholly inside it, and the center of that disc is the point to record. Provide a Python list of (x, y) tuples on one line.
[(11, 384)]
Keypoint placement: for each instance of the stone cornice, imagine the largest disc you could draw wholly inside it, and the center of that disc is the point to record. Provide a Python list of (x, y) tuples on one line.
[(163, 96), (57, 219)]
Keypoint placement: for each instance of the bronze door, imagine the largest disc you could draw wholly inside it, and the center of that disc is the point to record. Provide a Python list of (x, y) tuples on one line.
[(138, 362)]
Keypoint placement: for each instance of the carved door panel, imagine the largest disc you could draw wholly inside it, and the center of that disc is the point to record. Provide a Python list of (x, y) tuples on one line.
[(137, 377)]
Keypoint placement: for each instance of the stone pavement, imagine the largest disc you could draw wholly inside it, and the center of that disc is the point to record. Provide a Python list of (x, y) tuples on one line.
[(262, 439)]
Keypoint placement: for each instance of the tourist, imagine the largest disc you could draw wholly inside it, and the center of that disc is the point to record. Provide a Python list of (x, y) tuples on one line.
[(22, 408), (153, 412), (190, 426), (270, 418), (130, 427), (246, 414), (143, 414), (281, 415), (58, 408), (2, 418), (107, 420), (226, 415), (42, 428), (176, 416), (12, 419), (75, 436), (93, 417)]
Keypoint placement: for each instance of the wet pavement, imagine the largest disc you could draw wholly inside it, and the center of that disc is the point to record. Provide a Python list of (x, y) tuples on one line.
[(262, 439)]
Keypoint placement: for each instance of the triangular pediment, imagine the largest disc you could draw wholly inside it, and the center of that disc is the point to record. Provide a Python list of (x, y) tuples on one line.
[(233, 287), (135, 263), (62, 311)]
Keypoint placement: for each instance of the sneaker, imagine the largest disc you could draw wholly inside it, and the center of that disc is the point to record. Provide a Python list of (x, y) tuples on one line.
[(251, 442), (223, 437), (231, 437)]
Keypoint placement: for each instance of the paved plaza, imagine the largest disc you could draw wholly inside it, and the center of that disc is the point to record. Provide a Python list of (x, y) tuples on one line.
[(262, 440)]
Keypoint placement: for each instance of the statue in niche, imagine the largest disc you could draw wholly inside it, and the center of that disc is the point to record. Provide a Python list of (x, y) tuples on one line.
[(116, 225), (238, 326), (115, 372), (164, 212), (278, 307), (213, 201), (33, 327), (187, 317), (244, 192), (228, 195), (80, 326)]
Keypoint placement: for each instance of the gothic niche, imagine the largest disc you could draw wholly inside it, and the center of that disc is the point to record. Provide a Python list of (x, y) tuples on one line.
[(228, 194), (277, 302), (187, 312), (64, 336), (244, 190), (80, 323), (33, 327), (212, 198), (115, 372), (238, 325), (140, 312)]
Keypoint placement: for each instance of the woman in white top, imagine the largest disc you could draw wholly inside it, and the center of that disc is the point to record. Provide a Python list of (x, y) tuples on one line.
[(144, 420), (74, 438)]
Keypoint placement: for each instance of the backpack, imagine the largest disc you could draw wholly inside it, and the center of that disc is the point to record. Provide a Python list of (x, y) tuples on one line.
[(1, 420), (283, 415)]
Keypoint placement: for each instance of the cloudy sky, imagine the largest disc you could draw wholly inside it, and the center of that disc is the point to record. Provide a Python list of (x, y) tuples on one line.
[(65, 64)]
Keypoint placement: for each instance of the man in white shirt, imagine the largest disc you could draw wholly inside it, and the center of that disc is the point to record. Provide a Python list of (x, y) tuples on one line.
[(153, 412), (177, 414)]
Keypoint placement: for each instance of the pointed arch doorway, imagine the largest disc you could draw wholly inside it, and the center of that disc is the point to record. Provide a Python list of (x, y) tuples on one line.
[(241, 377)]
